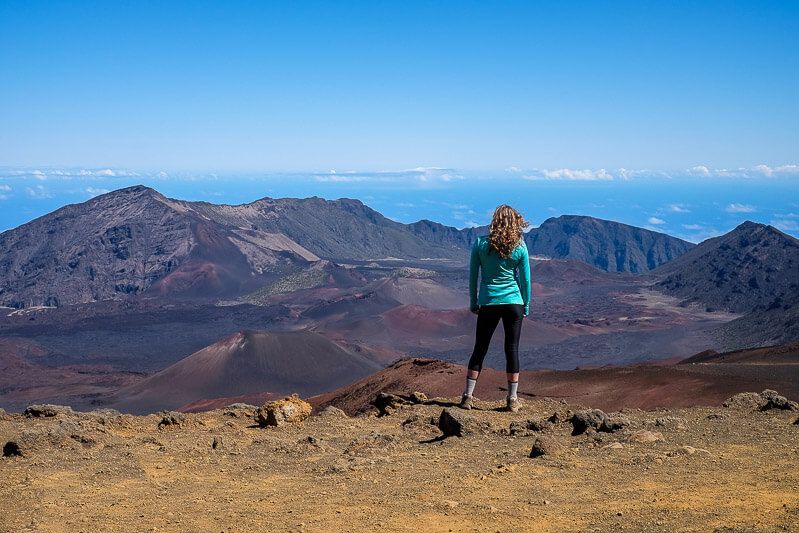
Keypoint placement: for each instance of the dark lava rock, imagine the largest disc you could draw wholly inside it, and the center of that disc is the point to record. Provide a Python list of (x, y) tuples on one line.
[(796, 422), (387, 403), (452, 422), (597, 420), (588, 419), (47, 410), (172, 418), (12, 449), (216, 443), (773, 400), (546, 446), (614, 423)]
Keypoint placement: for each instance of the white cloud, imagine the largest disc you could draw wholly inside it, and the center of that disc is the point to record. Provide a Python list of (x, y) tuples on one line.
[(699, 170), (94, 191), (513, 170), (5, 188), (421, 175), (678, 208), (693, 227), (785, 224), (569, 174), (656, 221), (38, 192), (740, 208), (757, 171)]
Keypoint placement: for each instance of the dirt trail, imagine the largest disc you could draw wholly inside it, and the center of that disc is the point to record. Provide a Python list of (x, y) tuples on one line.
[(112, 472)]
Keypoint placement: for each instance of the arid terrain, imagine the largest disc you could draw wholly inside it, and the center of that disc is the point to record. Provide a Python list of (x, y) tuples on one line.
[(714, 468)]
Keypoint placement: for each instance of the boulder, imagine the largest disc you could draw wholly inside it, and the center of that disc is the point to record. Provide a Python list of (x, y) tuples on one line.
[(773, 400), (452, 422), (387, 403), (46, 410), (12, 449), (332, 412), (587, 419), (289, 410), (546, 446), (597, 420), (418, 397), (744, 400)]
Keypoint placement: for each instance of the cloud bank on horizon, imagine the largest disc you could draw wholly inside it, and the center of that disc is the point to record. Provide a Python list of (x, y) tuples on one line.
[(688, 204)]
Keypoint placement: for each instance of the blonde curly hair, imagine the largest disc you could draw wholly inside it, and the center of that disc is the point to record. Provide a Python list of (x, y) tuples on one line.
[(506, 230)]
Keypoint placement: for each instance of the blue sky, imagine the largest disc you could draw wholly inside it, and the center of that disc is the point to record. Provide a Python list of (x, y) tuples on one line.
[(562, 106)]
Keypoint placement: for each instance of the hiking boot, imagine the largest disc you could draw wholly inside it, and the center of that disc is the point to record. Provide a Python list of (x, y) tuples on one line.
[(466, 401), (513, 405)]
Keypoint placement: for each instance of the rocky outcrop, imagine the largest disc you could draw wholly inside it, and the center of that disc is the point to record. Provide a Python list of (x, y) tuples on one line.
[(764, 401), (597, 420), (289, 410)]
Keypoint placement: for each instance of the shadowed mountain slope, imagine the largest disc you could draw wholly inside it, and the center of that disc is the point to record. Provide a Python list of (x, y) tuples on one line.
[(753, 267), (607, 245), (248, 362)]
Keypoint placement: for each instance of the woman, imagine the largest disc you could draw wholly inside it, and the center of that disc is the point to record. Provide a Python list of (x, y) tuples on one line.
[(498, 255)]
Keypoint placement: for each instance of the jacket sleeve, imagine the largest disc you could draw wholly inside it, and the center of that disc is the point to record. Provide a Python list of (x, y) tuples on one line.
[(524, 278), (474, 268)]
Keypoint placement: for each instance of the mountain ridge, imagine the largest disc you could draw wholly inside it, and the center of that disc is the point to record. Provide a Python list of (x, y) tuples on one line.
[(136, 241)]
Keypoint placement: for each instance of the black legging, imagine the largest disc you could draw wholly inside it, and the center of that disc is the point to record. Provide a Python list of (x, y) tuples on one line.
[(487, 319)]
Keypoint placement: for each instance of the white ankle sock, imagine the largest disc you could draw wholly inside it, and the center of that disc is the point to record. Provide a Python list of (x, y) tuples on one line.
[(513, 386), (470, 383)]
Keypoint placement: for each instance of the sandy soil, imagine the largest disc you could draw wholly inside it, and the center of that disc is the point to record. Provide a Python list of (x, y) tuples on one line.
[(107, 472)]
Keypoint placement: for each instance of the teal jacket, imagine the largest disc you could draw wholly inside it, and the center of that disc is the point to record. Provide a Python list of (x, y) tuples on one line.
[(499, 284)]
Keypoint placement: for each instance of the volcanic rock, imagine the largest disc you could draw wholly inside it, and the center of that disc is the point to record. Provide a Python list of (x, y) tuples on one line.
[(745, 400), (546, 446), (597, 420), (12, 449), (452, 422), (387, 403), (332, 412), (290, 410), (773, 400), (47, 410), (171, 418)]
